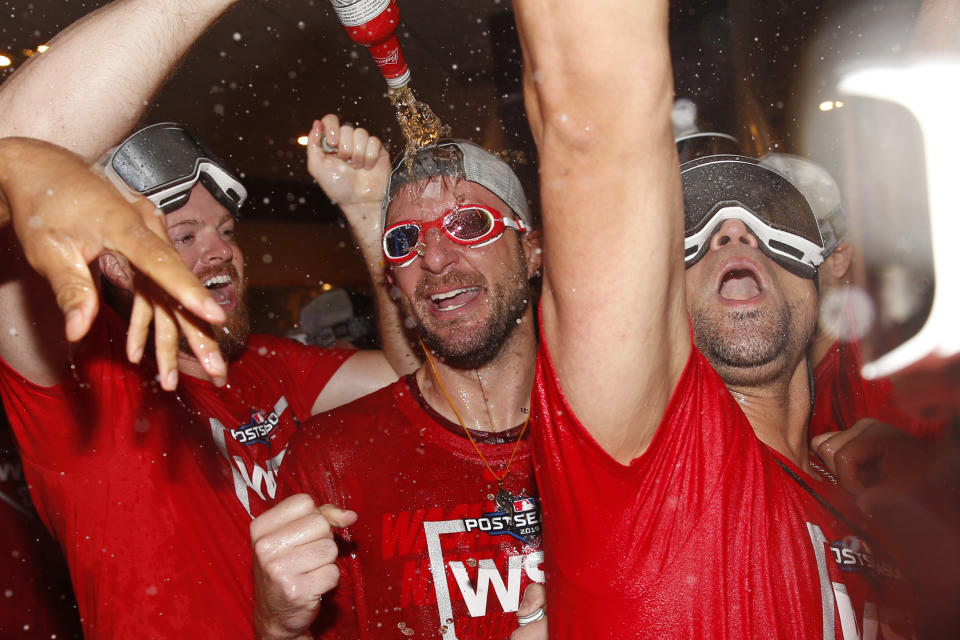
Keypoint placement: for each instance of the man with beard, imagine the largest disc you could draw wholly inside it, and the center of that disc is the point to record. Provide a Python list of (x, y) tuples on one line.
[(435, 468), (149, 493), (682, 499)]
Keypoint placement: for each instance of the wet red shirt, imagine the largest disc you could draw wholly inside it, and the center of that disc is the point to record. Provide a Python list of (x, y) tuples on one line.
[(36, 599), (150, 500), (434, 553), (708, 534), (843, 396)]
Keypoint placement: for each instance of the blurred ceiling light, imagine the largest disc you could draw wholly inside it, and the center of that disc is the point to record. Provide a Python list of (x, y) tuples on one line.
[(5, 61), (327, 286), (302, 141), (826, 105), (41, 48)]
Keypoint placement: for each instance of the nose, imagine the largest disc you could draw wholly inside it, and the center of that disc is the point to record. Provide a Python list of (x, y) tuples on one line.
[(216, 249), (437, 251), (733, 231)]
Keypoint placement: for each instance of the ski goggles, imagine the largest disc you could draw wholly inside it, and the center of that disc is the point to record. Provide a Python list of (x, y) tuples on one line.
[(164, 161), (719, 188), (470, 225)]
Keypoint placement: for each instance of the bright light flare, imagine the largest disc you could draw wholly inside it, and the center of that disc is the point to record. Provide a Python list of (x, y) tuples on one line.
[(5, 61), (302, 141), (41, 48), (826, 105), (927, 89)]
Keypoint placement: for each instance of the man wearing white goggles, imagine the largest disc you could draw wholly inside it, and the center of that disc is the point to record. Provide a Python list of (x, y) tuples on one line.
[(732, 187)]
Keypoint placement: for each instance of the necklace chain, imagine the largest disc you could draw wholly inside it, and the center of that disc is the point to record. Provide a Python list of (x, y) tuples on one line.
[(822, 471), (506, 469)]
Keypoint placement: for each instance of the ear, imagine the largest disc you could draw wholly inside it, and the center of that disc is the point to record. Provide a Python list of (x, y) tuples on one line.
[(116, 269), (839, 260), (532, 243)]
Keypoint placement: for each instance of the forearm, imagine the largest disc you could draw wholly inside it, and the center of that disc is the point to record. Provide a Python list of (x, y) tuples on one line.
[(92, 85), (599, 87)]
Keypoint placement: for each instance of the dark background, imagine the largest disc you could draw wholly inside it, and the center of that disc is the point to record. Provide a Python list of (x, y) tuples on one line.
[(256, 81)]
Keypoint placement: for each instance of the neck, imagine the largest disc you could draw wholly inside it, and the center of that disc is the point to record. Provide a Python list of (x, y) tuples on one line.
[(493, 397), (779, 412)]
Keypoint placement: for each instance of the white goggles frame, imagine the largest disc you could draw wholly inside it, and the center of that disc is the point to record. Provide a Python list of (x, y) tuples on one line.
[(812, 252), (223, 179)]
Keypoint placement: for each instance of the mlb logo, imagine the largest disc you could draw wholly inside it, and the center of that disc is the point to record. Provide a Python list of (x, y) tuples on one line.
[(524, 504)]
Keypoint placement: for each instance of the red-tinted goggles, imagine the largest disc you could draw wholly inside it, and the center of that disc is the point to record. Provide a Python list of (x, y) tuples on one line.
[(471, 225)]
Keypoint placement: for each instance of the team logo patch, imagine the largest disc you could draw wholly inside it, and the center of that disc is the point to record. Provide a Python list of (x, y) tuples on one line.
[(516, 515), (258, 429), (854, 554)]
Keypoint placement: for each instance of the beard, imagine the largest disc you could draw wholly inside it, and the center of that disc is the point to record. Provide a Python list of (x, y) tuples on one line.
[(471, 342), (754, 346), (233, 334)]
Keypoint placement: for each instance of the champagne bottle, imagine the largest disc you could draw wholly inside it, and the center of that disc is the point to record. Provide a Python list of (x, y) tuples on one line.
[(373, 24)]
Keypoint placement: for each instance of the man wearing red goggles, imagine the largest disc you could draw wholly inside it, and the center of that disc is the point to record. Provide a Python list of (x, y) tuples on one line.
[(470, 225), (462, 418)]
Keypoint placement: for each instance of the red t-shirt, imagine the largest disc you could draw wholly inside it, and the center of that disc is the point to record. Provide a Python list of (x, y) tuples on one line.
[(36, 600), (151, 501), (843, 396), (433, 554), (708, 534)]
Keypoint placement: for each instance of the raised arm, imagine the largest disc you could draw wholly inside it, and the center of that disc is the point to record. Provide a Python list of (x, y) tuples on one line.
[(69, 96), (354, 175), (598, 87), (92, 85)]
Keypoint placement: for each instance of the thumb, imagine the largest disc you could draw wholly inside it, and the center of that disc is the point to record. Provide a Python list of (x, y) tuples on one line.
[(338, 517)]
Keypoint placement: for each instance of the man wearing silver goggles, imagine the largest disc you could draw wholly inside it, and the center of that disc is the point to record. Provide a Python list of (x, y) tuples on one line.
[(150, 493)]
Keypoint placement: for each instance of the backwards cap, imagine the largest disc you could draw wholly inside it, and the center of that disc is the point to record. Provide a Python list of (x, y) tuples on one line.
[(820, 190), (459, 159)]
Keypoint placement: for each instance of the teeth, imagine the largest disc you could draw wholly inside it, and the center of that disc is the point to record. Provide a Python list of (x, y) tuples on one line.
[(439, 297), (215, 280)]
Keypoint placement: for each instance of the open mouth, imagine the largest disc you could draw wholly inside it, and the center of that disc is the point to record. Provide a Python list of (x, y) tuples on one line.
[(219, 288), (454, 299), (739, 284)]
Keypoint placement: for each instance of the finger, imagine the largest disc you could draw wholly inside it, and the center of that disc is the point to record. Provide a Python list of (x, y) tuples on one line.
[(69, 276), (287, 537), (345, 148), (372, 152), (204, 347), (827, 449), (287, 510), (141, 317), (533, 631), (359, 151), (301, 559), (330, 128), (817, 440), (158, 261), (166, 343), (338, 517), (534, 597)]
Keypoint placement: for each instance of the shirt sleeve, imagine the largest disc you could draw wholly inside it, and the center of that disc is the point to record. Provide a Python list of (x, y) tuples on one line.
[(310, 367)]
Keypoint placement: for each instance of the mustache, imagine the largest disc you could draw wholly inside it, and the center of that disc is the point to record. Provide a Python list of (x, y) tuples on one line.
[(226, 268), (430, 283)]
